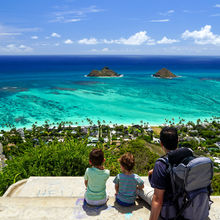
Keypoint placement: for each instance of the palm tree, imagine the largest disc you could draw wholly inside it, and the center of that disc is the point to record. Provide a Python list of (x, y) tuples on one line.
[(141, 121)]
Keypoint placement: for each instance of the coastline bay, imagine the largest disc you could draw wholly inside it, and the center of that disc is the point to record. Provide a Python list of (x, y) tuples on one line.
[(54, 88)]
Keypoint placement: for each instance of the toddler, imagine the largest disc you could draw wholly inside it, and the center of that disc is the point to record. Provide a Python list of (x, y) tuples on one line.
[(127, 183)]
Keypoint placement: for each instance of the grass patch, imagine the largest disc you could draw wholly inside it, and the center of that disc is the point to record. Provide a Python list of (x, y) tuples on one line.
[(156, 130)]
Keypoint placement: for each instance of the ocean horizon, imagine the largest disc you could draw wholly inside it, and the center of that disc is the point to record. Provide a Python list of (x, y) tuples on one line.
[(40, 88)]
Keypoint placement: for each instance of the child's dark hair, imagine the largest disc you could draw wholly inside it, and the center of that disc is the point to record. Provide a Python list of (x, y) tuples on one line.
[(127, 161), (96, 157)]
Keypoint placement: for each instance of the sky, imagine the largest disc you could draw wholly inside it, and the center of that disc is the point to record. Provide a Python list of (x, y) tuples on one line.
[(110, 27)]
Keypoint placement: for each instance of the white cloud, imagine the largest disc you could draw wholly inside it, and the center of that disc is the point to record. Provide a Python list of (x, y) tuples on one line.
[(167, 13), (81, 12), (105, 49), (72, 20), (109, 41), (151, 42), (25, 48), (34, 29), (139, 38), (59, 19), (68, 16), (57, 44), (34, 37), (136, 39), (160, 21), (9, 34), (88, 41), (217, 6), (55, 35), (170, 11), (165, 40), (203, 36), (13, 31), (194, 11), (62, 19), (68, 41), (6, 31), (12, 48)]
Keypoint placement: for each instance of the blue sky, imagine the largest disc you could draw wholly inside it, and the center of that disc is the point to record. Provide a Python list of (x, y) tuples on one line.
[(145, 27)]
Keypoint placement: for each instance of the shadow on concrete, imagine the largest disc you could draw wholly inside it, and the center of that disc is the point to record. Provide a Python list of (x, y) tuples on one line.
[(94, 210), (139, 204)]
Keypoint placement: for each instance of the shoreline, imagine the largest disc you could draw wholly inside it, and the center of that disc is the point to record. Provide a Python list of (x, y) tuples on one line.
[(165, 77), (121, 75), (111, 125), (66, 125)]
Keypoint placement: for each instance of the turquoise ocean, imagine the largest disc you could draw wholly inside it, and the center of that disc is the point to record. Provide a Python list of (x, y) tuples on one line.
[(38, 88)]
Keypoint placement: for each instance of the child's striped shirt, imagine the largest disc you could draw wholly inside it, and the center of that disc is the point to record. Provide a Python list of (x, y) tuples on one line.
[(127, 186)]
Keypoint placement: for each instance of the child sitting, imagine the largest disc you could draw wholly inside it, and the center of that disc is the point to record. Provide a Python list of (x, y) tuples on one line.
[(95, 179), (127, 183)]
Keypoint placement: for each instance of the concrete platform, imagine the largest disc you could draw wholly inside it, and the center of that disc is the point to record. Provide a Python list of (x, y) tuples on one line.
[(62, 198)]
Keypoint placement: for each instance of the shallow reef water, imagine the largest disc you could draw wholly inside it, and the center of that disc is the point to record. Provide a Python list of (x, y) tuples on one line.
[(35, 90)]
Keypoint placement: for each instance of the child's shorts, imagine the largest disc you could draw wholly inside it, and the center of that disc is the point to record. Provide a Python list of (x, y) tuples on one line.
[(123, 203), (96, 202)]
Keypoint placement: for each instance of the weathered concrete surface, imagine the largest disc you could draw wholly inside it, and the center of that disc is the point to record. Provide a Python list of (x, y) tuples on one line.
[(55, 187), (62, 198), (67, 209)]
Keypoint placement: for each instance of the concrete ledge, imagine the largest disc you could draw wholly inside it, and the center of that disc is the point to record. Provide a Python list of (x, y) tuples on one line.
[(62, 198), (15, 188), (55, 187)]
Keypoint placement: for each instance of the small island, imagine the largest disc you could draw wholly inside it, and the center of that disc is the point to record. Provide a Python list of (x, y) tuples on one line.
[(164, 73), (105, 72)]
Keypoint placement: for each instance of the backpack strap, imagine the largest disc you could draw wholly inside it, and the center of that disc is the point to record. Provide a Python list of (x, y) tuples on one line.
[(164, 159)]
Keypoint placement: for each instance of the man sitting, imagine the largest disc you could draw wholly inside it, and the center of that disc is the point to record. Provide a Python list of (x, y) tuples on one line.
[(160, 196)]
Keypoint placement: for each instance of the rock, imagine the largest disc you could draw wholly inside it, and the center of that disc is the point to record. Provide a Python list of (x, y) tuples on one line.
[(164, 73), (105, 72)]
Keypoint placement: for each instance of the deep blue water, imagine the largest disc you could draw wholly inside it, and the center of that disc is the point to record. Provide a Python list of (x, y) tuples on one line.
[(39, 88)]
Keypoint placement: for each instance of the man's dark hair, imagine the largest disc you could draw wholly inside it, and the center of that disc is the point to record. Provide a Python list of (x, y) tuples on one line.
[(127, 161), (96, 157), (169, 138)]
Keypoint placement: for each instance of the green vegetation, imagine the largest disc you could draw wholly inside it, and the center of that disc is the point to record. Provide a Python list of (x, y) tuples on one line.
[(215, 184), (69, 158), (63, 150)]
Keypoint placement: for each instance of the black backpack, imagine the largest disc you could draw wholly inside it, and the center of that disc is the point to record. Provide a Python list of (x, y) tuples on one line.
[(190, 178)]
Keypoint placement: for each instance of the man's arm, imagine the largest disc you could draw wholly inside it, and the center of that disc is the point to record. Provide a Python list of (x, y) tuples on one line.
[(157, 203), (150, 172)]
